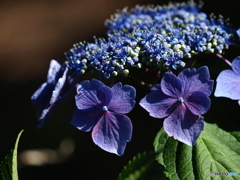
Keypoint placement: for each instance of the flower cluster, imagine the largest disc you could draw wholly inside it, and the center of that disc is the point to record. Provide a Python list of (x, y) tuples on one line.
[(159, 38)]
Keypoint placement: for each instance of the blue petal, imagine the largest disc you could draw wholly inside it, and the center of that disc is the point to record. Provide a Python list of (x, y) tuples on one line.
[(171, 85), (236, 65), (196, 80), (43, 114), (112, 132), (53, 71), (228, 85), (92, 94), (85, 121), (157, 103), (183, 125), (123, 98), (41, 93), (198, 103), (238, 33), (58, 87)]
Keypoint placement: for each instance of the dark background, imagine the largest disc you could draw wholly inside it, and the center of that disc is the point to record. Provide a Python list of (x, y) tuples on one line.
[(34, 32)]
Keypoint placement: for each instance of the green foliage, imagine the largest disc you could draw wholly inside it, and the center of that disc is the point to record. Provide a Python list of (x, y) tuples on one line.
[(215, 151), (8, 167), (142, 167)]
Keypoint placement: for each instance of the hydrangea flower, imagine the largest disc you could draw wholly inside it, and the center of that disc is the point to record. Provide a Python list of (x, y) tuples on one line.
[(181, 100), (57, 86), (152, 36), (228, 82), (101, 109)]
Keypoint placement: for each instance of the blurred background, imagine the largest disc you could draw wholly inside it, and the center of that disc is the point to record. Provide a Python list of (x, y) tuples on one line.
[(34, 32)]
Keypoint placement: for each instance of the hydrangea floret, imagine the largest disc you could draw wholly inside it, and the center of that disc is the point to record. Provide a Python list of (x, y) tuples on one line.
[(181, 100), (101, 109), (228, 82), (57, 87)]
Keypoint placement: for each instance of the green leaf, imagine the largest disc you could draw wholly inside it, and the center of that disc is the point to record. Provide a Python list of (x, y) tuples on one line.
[(8, 167), (140, 167), (215, 151)]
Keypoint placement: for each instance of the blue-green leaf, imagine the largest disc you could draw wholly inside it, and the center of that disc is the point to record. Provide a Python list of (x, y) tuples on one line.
[(215, 151)]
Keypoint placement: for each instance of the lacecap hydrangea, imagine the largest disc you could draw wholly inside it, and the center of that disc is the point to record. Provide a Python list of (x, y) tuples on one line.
[(155, 38)]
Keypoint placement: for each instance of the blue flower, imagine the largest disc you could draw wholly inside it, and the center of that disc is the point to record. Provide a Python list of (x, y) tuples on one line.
[(57, 87), (228, 82), (101, 109), (181, 100), (161, 37)]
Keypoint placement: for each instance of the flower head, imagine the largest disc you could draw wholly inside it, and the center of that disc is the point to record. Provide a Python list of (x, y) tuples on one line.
[(181, 100), (101, 109), (228, 82), (57, 86), (160, 36)]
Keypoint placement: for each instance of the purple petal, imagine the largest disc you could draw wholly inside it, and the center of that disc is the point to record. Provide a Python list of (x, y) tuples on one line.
[(44, 114), (41, 93), (53, 71), (236, 65), (228, 85), (198, 103), (238, 33), (85, 121), (123, 98), (69, 85), (183, 125), (89, 85), (92, 94), (157, 103), (196, 80), (58, 87), (171, 85), (112, 132)]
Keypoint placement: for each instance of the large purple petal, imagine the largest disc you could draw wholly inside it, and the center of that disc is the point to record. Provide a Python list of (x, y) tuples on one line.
[(112, 132), (85, 121), (123, 98), (171, 85), (92, 94), (228, 85), (196, 80), (157, 103), (183, 125), (236, 65), (198, 103)]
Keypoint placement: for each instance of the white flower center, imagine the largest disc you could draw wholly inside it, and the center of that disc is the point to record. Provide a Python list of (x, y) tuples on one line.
[(181, 100), (104, 108)]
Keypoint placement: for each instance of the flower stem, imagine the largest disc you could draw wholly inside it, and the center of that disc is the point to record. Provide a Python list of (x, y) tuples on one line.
[(225, 60)]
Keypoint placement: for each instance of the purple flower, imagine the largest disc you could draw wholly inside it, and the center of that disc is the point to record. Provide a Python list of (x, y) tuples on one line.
[(58, 86), (100, 109), (181, 100), (228, 82)]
